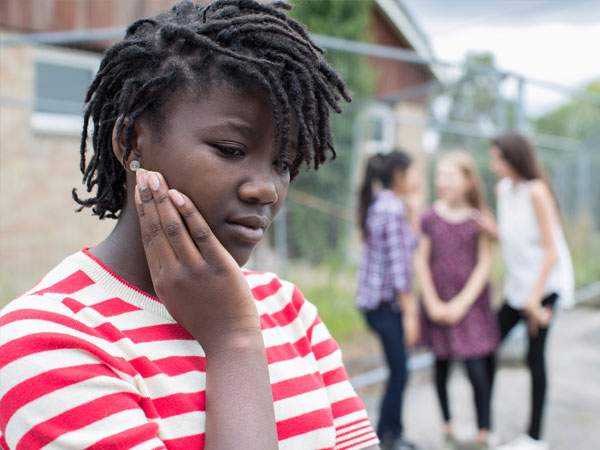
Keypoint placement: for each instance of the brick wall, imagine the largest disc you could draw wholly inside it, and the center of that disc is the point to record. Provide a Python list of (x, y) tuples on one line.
[(38, 225), (392, 75), (58, 15)]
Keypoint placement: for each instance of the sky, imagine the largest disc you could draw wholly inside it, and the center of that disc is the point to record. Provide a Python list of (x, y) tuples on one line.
[(551, 40)]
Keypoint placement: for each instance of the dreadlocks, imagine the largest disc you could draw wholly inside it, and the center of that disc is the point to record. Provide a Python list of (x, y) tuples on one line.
[(237, 40)]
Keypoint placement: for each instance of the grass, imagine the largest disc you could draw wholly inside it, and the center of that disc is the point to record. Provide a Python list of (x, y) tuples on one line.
[(584, 244), (332, 289)]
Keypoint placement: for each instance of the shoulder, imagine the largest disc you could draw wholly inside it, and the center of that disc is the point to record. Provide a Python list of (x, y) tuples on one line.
[(31, 306), (37, 323), (50, 297), (60, 313), (542, 201), (503, 186), (388, 204), (428, 217), (539, 190)]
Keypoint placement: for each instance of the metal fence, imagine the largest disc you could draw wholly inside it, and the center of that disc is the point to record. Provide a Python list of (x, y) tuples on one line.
[(454, 118)]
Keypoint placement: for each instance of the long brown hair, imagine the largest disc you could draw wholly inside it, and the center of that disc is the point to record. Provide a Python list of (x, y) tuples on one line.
[(520, 154), (475, 194), (518, 151)]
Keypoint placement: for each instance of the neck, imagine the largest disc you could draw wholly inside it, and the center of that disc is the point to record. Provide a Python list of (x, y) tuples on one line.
[(398, 192), (515, 178), (122, 250), (457, 203)]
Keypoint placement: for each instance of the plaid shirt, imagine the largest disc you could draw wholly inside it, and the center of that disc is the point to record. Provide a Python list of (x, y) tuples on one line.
[(386, 266)]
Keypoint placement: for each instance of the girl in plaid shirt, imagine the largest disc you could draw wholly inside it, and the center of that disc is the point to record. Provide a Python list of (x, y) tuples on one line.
[(385, 278)]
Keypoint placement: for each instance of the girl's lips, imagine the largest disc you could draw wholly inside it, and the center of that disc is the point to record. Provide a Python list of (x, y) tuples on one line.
[(246, 233)]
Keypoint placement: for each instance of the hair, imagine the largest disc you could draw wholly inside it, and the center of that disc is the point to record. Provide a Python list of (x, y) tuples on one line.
[(475, 194), (520, 154), (243, 42), (380, 170)]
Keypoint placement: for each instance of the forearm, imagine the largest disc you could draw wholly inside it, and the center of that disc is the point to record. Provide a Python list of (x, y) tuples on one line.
[(239, 403), (426, 283), (542, 205), (407, 303), (479, 276), (538, 288), (475, 284)]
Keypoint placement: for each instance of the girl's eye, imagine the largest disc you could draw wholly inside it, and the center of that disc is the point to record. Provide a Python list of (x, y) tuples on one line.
[(230, 152)]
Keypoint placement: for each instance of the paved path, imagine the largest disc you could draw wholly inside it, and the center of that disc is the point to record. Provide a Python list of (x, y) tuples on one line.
[(572, 419)]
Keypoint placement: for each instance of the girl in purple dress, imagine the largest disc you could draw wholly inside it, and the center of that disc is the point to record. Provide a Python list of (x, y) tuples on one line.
[(453, 265)]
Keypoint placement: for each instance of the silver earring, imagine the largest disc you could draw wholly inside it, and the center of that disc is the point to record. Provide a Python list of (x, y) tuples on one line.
[(135, 165)]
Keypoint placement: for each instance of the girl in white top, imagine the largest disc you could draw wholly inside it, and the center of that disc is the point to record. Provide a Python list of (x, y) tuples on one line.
[(537, 261)]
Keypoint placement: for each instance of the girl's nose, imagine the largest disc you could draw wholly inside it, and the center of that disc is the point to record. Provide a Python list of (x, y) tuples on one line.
[(259, 189)]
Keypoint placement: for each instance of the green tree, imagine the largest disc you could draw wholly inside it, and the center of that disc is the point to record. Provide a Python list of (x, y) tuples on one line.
[(474, 102), (574, 172), (313, 234), (578, 119), (474, 109)]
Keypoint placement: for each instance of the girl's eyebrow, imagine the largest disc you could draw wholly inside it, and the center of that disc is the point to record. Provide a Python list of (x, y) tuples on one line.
[(226, 125)]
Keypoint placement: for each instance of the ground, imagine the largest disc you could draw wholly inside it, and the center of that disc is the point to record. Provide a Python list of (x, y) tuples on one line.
[(572, 420)]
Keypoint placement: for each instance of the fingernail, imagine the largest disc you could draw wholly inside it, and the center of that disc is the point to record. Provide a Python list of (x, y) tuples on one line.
[(140, 178), (154, 182), (176, 197)]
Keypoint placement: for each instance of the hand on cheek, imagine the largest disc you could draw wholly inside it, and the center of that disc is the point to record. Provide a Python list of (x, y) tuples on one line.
[(193, 275)]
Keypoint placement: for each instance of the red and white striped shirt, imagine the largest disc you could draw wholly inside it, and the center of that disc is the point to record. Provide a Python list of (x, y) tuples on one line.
[(88, 361)]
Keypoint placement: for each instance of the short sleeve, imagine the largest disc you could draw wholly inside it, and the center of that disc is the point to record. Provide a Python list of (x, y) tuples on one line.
[(61, 388), (352, 427), (425, 223)]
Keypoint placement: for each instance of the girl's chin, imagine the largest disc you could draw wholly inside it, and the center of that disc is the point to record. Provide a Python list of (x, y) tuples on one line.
[(241, 255)]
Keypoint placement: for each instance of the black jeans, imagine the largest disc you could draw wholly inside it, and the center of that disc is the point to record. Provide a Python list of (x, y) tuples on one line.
[(386, 322), (508, 317), (479, 376)]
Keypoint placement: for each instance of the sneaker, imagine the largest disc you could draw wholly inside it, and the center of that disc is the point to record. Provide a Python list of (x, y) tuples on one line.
[(401, 444), (478, 445), (525, 442), (450, 442), (391, 443)]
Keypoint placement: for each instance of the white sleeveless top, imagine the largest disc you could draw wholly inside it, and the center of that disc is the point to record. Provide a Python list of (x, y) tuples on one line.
[(523, 248)]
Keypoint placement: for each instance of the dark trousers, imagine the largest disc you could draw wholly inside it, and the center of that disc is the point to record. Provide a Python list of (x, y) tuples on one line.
[(387, 324), (478, 371), (508, 317)]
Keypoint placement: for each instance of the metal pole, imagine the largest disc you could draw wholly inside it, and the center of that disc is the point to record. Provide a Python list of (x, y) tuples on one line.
[(519, 120), (328, 42)]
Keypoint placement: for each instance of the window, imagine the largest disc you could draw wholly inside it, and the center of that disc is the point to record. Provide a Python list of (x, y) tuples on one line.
[(62, 77), (379, 128)]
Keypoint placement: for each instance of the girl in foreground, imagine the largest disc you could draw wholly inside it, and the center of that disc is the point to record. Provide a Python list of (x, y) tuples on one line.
[(385, 279), (453, 264), (537, 261), (155, 338)]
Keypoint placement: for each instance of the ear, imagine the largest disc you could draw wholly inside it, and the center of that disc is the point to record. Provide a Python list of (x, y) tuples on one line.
[(119, 141)]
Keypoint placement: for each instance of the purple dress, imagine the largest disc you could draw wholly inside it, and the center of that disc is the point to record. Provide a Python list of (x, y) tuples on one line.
[(454, 248)]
